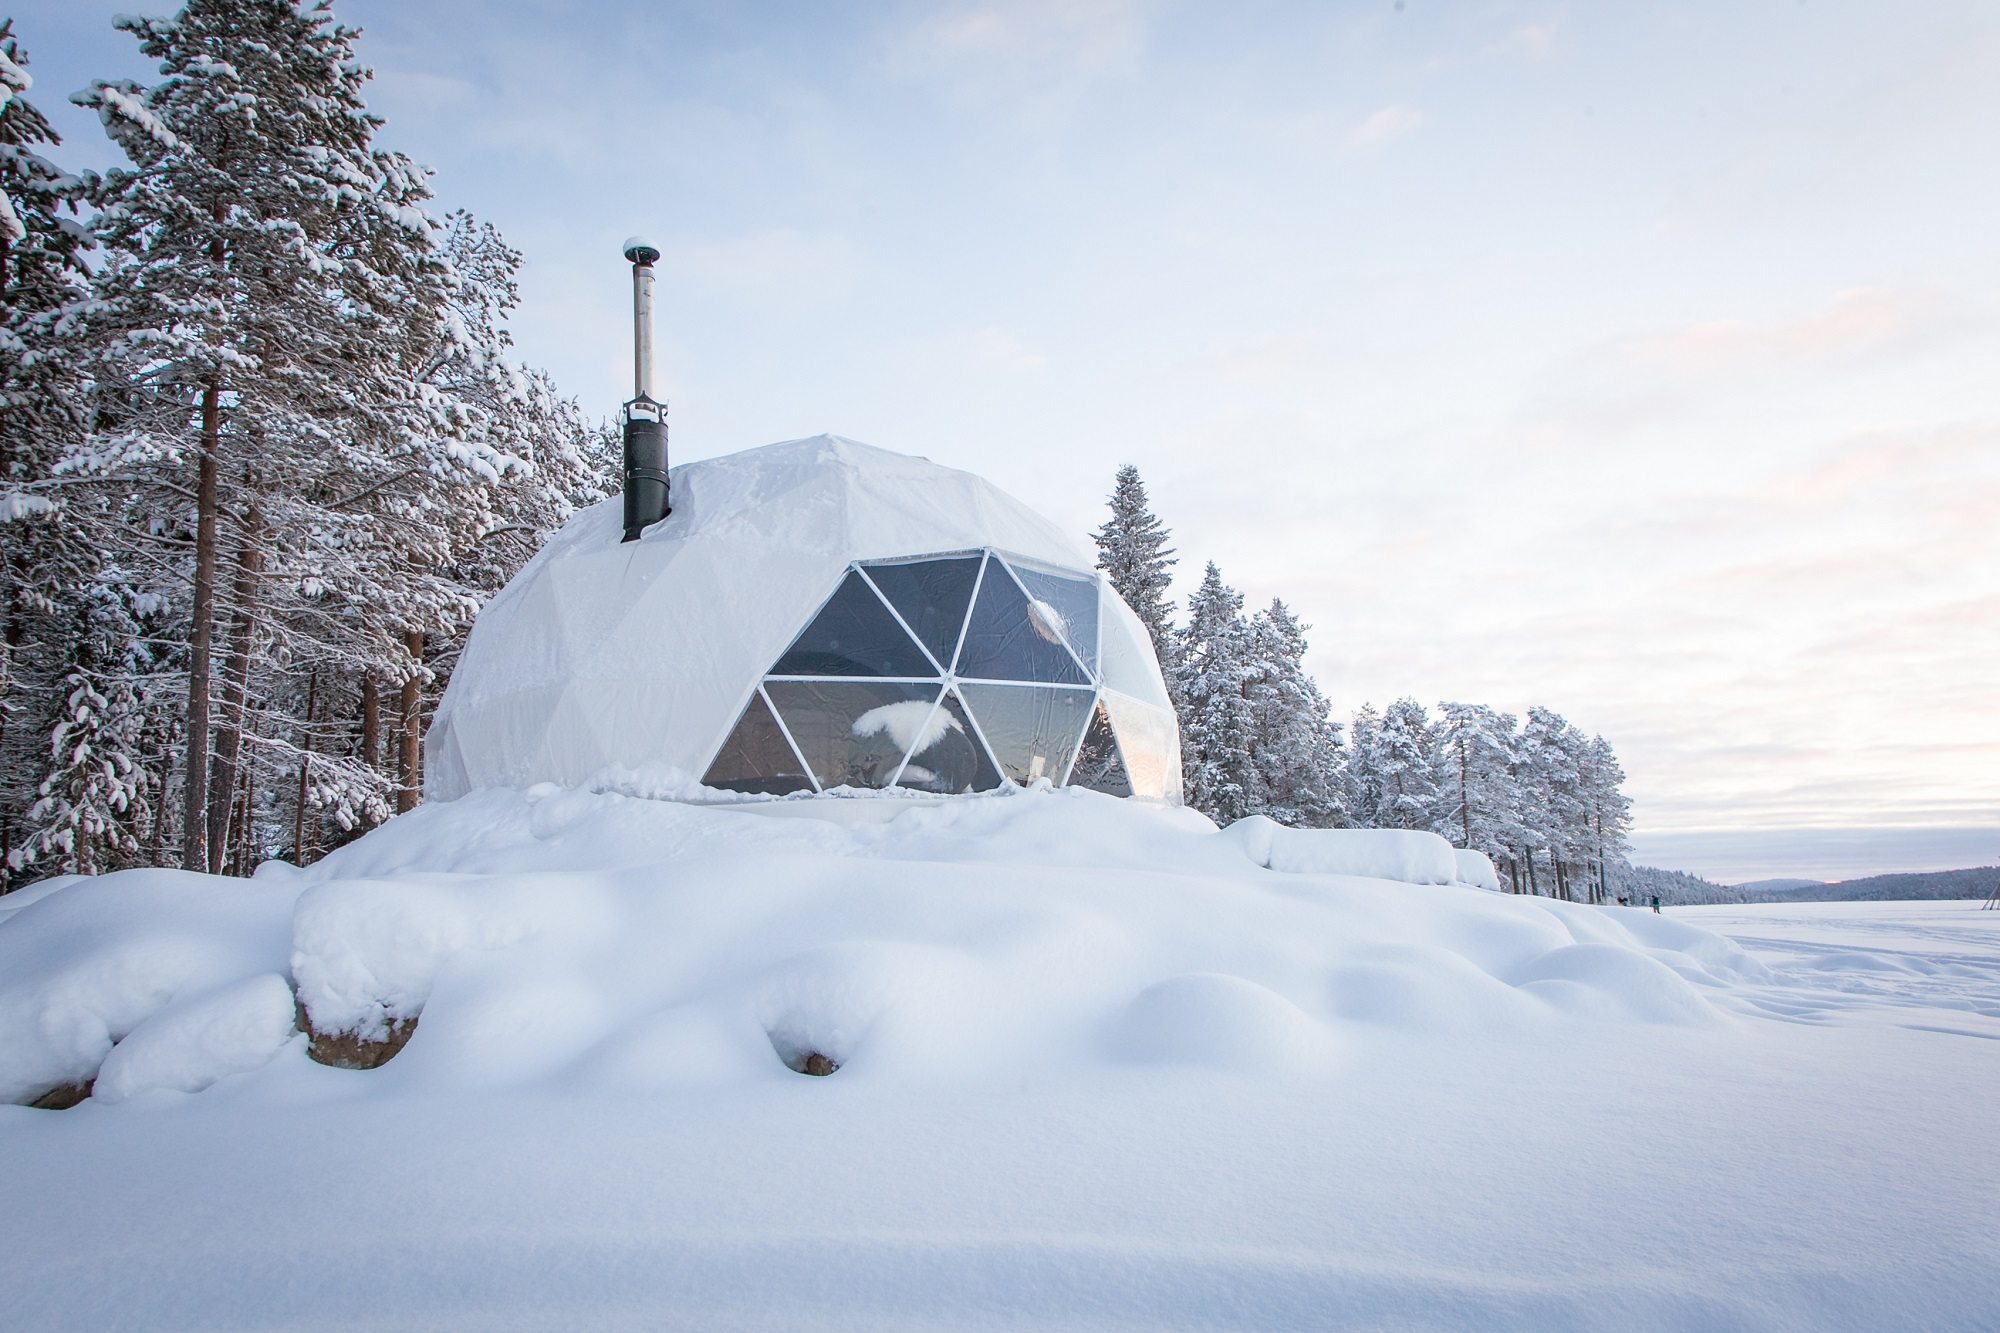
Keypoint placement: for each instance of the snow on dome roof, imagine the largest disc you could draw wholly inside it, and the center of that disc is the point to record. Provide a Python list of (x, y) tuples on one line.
[(813, 614)]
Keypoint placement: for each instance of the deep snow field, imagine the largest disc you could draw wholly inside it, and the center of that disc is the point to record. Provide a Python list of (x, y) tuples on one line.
[(1100, 1067)]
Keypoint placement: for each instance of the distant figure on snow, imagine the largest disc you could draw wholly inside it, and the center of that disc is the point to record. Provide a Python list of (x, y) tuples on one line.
[(1656, 904)]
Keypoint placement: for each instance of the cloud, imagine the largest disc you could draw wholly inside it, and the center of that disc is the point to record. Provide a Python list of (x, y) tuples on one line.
[(1530, 41), (1380, 127), (1709, 379), (1854, 324)]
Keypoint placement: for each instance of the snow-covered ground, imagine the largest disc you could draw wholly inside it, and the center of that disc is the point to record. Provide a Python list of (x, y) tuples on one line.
[(1101, 1067)]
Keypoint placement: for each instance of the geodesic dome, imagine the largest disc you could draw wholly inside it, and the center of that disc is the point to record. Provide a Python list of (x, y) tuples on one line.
[(813, 615)]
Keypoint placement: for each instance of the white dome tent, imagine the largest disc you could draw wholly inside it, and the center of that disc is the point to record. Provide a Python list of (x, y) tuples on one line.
[(813, 615)]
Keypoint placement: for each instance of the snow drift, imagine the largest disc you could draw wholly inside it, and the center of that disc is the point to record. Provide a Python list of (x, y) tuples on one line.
[(1098, 1065), (573, 934)]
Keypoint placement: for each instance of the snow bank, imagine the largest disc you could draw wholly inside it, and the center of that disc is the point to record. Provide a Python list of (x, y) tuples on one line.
[(1476, 869), (1098, 1064), (88, 963), (192, 1044), (1407, 857), (576, 934)]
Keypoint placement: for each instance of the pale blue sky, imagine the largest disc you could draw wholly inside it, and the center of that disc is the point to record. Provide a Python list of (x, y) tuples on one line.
[(1636, 360)]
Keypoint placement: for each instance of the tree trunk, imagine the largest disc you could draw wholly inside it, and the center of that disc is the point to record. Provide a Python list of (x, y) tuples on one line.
[(1464, 800), (1534, 886), (305, 772), (12, 635), (241, 851), (371, 721), (235, 693), (194, 813), (410, 760)]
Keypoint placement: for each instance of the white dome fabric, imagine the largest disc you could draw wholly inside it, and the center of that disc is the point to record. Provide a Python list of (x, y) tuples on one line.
[(813, 614)]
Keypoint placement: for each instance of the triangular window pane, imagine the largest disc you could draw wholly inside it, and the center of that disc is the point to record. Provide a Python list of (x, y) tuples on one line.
[(949, 758), (853, 635), (1150, 746), (854, 733), (757, 757), (1071, 604), (1032, 729), (1006, 639), (1128, 664), (931, 596), (1099, 766)]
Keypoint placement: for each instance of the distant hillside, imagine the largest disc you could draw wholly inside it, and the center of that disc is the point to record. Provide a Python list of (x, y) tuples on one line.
[(1975, 883), (1673, 887), (1778, 885)]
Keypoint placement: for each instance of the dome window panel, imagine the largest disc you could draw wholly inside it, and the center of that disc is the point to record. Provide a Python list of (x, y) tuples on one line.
[(757, 757), (1099, 766), (932, 597), (854, 635), (1006, 638), (1149, 744), (1032, 730), (1070, 603), (949, 758), (1127, 663), (853, 733)]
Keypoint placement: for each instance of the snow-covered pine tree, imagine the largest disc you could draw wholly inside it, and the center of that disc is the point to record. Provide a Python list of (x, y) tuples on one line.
[(1406, 758), (1212, 671), (1478, 806), (64, 631), (1132, 551), (499, 462), (1553, 820), (92, 805), (1361, 776), (1295, 743), (279, 292), (1609, 811)]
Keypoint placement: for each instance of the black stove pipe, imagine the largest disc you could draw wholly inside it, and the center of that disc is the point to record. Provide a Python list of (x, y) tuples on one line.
[(645, 416)]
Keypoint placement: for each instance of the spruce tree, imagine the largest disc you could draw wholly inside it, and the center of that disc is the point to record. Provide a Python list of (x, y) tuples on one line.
[(1295, 743), (70, 788), (1362, 774), (1132, 551), (1212, 672)]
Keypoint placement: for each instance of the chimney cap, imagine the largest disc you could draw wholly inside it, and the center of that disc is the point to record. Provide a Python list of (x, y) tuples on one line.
[(641, 251)]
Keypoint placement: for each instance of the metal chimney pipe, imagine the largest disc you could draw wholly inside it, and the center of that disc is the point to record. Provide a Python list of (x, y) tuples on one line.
[(642, 258), (645, 417)]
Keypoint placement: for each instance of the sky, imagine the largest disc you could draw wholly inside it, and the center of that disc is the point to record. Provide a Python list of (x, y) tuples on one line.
[(1635, 361)]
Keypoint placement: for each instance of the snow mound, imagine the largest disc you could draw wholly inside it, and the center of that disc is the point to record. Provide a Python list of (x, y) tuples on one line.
[(1406, 856), (1223, 1021), (190, 1045), (82, 967), (583, 938), (1476, 869)]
